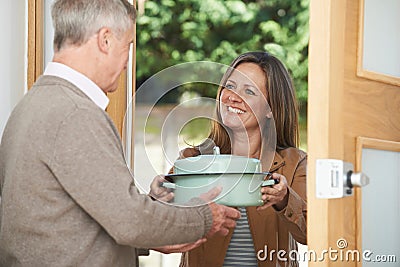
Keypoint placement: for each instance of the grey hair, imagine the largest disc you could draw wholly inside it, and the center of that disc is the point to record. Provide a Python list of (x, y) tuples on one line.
[(75, 21)]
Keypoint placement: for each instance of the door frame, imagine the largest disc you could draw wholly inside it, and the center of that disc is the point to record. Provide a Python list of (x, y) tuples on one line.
[(326, 76), (35, 41)]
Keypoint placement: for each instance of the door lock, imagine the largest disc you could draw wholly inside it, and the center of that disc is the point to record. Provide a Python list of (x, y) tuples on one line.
[(336, 178)]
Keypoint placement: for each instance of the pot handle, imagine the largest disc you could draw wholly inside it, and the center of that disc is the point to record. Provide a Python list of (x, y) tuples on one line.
[(168, 185), (269, 182)]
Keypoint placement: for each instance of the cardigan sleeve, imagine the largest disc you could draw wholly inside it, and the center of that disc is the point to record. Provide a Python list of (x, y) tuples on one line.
[(294, 215), (89, 164)]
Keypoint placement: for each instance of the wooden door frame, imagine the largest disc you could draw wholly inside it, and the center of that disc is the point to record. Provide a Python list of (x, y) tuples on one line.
[(326, 76), (118, 100), (35, 41)]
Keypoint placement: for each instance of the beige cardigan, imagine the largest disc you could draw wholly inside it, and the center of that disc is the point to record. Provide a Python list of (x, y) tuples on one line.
[(67, 196)]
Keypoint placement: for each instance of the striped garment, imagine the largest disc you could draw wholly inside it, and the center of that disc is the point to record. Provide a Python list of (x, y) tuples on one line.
[(241, 249)]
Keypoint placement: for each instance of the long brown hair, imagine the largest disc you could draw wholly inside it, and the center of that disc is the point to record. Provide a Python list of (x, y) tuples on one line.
[(280, 97)]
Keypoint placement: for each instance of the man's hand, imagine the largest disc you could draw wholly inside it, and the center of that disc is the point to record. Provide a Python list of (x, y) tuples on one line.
[(224, 217), (158, 192)]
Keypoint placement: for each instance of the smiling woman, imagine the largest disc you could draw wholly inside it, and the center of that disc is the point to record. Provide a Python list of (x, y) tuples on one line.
[(257, 103), (256, 97)]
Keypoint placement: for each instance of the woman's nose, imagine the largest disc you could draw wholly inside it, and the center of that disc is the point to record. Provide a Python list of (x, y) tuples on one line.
[(232, 97)]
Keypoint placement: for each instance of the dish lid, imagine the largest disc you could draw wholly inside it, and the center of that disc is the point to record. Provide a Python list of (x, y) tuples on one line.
[(218, 163)]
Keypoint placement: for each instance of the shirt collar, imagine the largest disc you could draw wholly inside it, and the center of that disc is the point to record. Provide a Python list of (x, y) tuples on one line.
[(87, 86)]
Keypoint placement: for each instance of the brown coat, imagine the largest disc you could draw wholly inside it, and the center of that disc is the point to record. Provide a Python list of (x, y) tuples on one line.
[(276, 230)]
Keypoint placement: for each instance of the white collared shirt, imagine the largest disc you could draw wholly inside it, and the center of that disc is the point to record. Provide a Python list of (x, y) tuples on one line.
[(87, 86)]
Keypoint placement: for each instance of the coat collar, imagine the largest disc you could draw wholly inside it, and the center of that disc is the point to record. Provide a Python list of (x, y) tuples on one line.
[(277, 162)]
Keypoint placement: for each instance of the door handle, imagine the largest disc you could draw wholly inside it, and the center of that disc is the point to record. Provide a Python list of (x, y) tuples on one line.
[(336, 178)]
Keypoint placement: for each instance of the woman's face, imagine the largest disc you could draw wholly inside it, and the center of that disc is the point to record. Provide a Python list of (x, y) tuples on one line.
[(243, 100)]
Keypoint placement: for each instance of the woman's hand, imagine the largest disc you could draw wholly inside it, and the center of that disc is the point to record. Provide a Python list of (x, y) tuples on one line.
[(276, 195), (180, 248), (159, 192)]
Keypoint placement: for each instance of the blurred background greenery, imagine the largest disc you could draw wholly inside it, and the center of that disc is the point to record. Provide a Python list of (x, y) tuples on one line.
[(173, 32)]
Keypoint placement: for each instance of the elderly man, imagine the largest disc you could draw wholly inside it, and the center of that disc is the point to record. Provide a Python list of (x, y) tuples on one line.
[(67, 196)]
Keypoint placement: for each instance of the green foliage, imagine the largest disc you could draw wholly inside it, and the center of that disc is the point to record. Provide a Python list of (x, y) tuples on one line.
[(173, 32), (196, 131)]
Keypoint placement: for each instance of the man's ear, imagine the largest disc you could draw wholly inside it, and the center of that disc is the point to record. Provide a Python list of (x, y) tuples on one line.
[(104, 39)]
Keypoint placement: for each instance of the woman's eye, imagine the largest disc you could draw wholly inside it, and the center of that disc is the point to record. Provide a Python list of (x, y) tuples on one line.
[(250, 92), (229, 86)]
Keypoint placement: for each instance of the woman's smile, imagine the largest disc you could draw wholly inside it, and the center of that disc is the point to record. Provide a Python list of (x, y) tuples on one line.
[(235, 110)]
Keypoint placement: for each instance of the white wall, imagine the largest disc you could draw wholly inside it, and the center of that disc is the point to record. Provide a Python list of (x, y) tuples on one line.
[(48, 32), (13, 56)]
